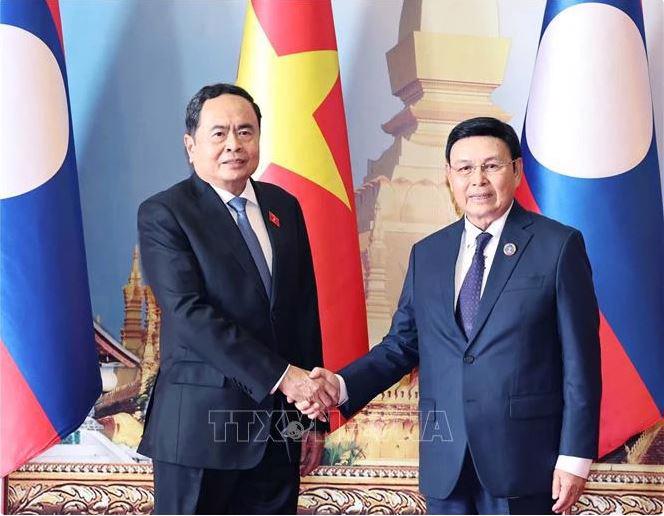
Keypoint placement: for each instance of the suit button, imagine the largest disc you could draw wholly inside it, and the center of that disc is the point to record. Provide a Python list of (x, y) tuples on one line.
[(469, 359)]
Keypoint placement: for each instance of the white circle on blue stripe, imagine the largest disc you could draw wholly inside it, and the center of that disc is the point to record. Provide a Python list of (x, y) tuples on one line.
[(34, 121), (590, 107)]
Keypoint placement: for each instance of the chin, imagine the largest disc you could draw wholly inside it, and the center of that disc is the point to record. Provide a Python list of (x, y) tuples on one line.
[(481, 210), (483, 214), (234, 175)]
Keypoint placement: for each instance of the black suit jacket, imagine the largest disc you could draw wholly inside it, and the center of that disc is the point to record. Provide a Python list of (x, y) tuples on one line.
[(224, 342)]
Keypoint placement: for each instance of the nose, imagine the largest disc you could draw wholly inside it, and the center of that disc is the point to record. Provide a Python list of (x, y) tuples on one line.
[(477, 177), (232, 142)]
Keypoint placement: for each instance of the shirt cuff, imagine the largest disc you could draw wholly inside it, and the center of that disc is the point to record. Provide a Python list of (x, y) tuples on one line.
[(343, 392), (276, 385), (576, 465)]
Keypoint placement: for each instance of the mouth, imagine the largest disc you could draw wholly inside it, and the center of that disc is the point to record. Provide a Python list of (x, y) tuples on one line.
[(480, 197), (235, 162)]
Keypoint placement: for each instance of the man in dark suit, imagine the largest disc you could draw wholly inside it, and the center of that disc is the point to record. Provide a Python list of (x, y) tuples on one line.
[(229, 262), (499, 312)]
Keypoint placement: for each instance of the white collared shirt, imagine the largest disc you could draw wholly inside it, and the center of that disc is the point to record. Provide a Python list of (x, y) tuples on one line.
[(467, 250), (253, 214)]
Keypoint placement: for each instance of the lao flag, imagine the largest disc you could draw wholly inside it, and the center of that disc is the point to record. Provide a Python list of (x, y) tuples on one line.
[(590, 161), (49, 373)]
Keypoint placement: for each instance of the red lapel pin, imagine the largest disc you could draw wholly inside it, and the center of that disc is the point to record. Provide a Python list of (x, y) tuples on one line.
[(273, 218)]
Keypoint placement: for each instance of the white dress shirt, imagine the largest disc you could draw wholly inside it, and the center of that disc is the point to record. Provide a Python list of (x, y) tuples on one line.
[(575, 465), (257, 223), (467, 251), (253, 214)]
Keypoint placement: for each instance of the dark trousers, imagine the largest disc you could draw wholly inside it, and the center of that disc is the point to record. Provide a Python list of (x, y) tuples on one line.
[(470, 497), (272, 487)]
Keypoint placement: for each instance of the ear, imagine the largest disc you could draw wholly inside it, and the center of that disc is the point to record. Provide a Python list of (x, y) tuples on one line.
[(448, 172), (189, 144), (518, 170)]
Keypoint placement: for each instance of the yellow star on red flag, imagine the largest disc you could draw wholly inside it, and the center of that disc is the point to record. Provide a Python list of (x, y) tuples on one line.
[(289, 89)]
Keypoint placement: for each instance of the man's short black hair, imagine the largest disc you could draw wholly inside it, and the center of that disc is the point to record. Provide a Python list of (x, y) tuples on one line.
[(484, 126), (193, 113)]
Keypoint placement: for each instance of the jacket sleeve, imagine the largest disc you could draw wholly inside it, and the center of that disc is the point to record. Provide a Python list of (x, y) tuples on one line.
[(578, 329), (387, 362), (174, 275)]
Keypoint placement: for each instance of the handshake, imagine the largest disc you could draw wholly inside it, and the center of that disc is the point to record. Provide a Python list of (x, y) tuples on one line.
[(313, 392)]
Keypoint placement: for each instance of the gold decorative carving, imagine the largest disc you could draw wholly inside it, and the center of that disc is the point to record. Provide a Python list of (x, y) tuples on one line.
[(43, 488), (92, 471), (76, 498), (360, 501), (626, 504), (75, 488), (623, 489), (361, 490)]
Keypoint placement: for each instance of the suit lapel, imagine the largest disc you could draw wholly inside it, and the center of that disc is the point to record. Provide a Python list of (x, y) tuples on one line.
[(503, 265), (449, 253), (269, 210), (213, 209)]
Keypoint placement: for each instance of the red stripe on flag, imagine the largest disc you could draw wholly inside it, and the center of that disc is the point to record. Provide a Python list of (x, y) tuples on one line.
[(294, 26), (525, 196), (627, 406), (54, 7), (336, 256), (25, 430)]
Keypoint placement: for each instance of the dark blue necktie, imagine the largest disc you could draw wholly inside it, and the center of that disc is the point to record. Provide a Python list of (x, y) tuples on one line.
[(469, 295), (239, 205)]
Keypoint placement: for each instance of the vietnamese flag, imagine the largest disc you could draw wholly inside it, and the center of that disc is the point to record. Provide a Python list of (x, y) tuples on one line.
[(289, 63)]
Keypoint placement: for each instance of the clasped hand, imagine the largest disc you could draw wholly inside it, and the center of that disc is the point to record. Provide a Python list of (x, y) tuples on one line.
[(313, 393)]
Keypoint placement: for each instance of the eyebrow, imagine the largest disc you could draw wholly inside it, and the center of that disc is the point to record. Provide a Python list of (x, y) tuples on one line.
[(226, 127), (464, 160)]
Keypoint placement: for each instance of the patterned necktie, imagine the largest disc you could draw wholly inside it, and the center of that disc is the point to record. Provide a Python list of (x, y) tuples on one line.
[(469, 295), (239, 205)]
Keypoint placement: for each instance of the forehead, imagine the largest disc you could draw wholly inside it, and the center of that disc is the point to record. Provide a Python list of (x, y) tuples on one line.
[(227, 109), (478, 147)]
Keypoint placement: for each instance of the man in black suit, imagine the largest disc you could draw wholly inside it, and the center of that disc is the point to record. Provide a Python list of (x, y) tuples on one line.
[(229, 262)]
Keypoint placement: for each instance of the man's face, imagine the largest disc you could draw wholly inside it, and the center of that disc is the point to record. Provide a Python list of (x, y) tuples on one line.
[(483, 196), (224, 149)]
